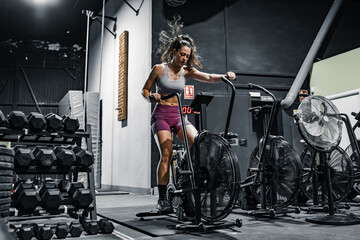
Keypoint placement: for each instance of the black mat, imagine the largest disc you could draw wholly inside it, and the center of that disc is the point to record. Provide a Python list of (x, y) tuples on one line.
[(152, 226), (162, 227), (109, 192), (284, 227)]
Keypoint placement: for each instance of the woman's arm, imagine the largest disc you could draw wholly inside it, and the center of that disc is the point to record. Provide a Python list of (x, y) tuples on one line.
[(149, 84), (209, 77)]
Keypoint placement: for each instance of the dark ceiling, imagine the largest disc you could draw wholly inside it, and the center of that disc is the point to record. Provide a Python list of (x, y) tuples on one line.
[(46, 20)]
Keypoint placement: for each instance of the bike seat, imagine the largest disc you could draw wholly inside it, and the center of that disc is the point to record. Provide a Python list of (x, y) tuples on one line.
[(177, 147), (230, 135), (260, 110), (276, 137)]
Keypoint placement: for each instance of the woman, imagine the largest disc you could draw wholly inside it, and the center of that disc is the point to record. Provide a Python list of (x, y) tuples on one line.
[(178, 64)]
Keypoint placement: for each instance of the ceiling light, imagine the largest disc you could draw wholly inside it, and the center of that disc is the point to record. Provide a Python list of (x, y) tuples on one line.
[(42, 2)]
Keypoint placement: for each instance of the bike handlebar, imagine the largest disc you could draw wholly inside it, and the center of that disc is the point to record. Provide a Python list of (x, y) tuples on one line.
[(356, 115), (224, 79), (227, 81), (251, 85)]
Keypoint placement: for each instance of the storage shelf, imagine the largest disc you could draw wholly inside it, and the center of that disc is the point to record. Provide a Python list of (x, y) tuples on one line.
[(58, 137), (26, 137), (53, 169), (63, 209)]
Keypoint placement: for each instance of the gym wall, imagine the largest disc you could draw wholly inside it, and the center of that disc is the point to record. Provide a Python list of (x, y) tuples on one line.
[(337, 74), (263, 42), (347, 102), (125, 144), (23, 80)]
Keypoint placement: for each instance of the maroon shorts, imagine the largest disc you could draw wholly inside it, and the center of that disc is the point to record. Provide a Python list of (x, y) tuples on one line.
[(166, 117)]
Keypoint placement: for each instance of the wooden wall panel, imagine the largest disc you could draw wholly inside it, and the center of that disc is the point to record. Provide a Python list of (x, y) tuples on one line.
[(123, 76)]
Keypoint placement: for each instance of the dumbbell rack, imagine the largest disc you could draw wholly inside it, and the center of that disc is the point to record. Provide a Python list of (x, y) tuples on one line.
[(24, 136)]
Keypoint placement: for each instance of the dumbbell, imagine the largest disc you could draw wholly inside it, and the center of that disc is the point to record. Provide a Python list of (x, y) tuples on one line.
[(45, 156), (54, 122), (3, 120), (17, 120), (28, 231), (24, 156), (36, 121), (65, 157), (61, 229), (62, 184), (106, 226), (75, 229), (84, 158), (81, 197), (90, 227), (70, 124), (50, 195), (42, 232), (25, 196), (23, 232)]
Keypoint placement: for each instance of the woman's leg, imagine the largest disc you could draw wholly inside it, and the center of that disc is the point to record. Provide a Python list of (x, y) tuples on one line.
[(163, 139), (191, 133)]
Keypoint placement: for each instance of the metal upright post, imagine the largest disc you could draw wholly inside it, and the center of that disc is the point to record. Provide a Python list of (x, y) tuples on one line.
[(91, 178)]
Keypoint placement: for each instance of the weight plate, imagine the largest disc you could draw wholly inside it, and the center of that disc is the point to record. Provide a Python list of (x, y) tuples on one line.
[(5, 179), (5, 200), (4, 194), (6, 172), (6, 151), (5, 186), (5, 158), (4, 213), (6, 165), (5, 207)]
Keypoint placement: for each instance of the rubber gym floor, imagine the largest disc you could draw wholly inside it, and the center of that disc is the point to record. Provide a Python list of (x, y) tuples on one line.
[(121, 209)]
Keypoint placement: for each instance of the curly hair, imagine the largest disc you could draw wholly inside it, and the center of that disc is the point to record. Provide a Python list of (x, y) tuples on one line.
[(176, 40)]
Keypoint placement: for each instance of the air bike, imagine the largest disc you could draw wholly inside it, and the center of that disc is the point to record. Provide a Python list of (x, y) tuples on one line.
[(205, 181)]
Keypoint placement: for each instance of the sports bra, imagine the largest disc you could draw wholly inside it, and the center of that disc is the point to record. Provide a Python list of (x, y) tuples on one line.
[(166, 85)]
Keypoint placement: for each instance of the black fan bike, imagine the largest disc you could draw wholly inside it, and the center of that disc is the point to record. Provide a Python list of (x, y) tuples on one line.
[(344, 169), (342, 165), (331, 170), (274, 171), (205, 185), (353, 151)]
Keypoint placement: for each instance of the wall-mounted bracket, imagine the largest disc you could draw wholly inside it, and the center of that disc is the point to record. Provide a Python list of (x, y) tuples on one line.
[(136, 11), (94, 17)]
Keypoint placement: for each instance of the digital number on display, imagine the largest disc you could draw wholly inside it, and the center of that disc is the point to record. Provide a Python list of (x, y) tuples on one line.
[(187, 110)]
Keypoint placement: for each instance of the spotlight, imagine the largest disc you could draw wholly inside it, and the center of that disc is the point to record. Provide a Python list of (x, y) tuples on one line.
[(43, 2)]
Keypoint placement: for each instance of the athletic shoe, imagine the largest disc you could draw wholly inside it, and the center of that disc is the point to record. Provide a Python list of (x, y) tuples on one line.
[(164, 206)]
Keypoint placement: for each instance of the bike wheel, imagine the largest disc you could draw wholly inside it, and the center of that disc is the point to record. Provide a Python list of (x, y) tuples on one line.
[(341, 172), (219, 177), (283, 173), (355, 158)]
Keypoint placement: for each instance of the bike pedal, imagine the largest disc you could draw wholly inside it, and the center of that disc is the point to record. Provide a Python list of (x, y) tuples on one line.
[(184, 172)]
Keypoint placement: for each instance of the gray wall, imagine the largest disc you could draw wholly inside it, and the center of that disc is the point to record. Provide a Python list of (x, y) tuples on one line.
[(125, 144), (263, 42)]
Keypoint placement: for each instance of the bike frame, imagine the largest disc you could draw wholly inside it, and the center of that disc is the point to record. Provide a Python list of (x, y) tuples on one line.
[(195, 171), (263, 143)]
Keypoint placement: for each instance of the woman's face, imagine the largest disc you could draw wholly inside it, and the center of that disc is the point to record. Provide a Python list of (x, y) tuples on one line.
[(182, 55)]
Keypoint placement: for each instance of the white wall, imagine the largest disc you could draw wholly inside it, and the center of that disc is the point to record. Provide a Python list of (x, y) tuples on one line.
[(347, 102), (126, 145), (336, 74)]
